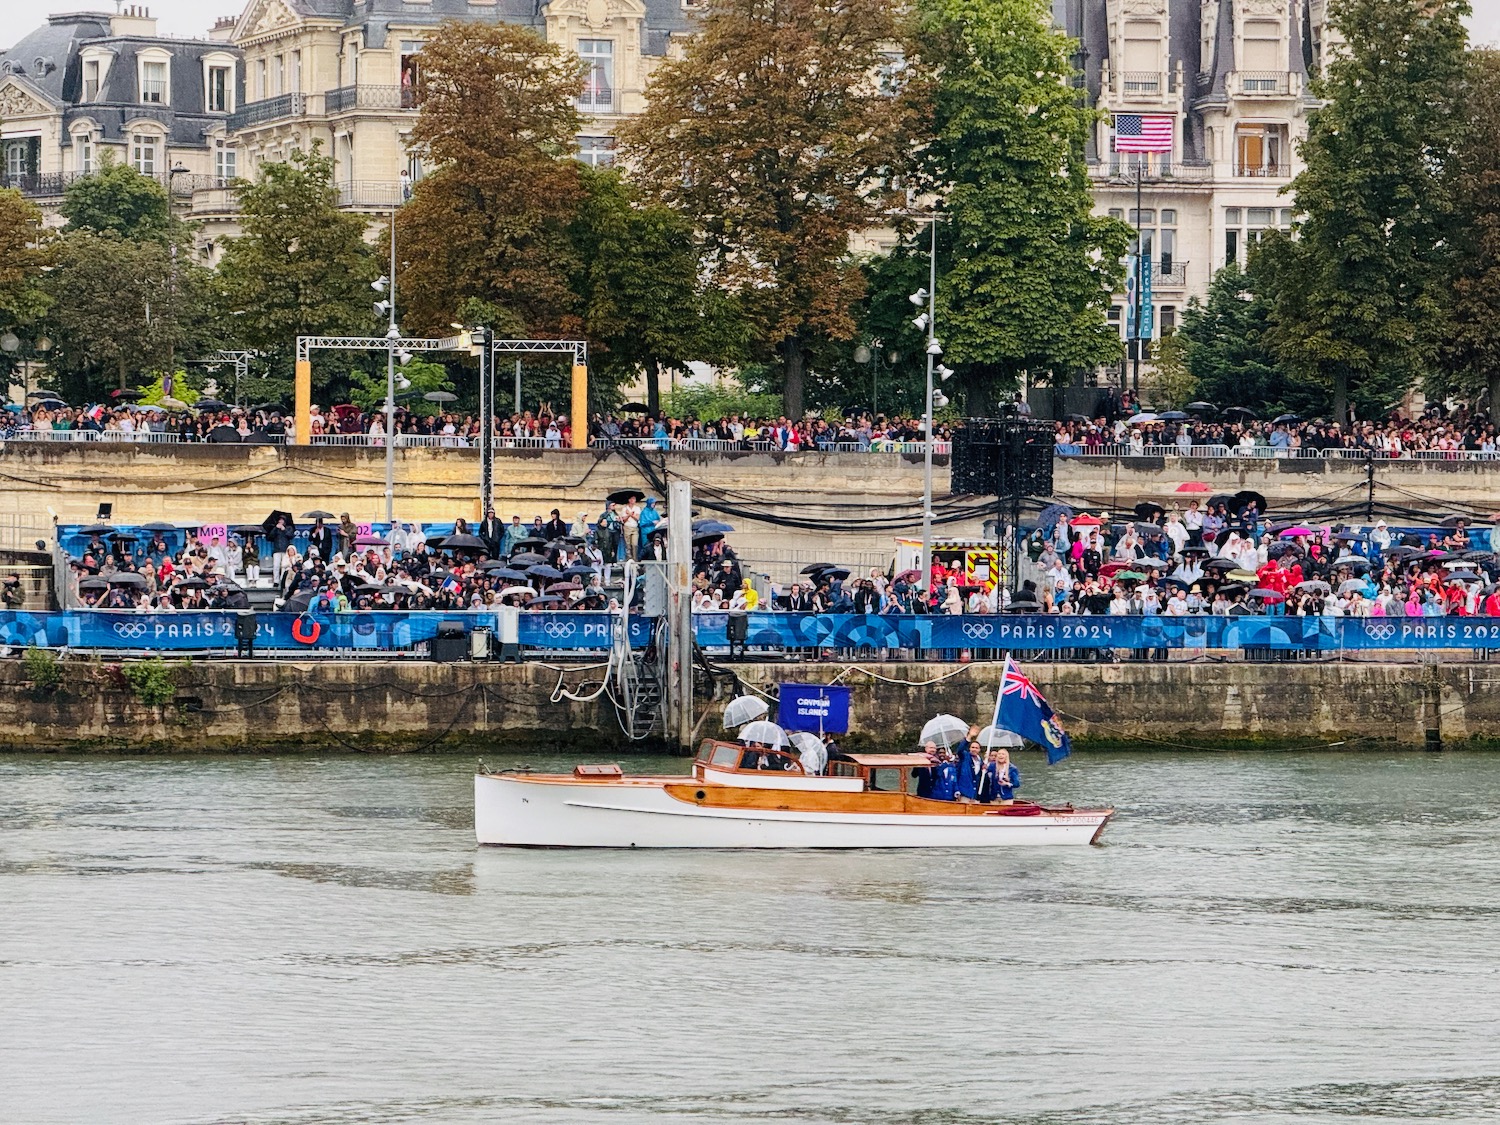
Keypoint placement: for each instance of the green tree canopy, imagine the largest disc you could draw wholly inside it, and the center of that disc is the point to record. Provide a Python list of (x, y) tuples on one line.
[(1358, 296), (25, 247), (1026, 269), (769, 135), (1471, 350), (301, 267), (118, 199), (498, 107)]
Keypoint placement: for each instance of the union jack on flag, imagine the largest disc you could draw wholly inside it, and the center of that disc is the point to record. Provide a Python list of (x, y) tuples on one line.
[(1023, 710)]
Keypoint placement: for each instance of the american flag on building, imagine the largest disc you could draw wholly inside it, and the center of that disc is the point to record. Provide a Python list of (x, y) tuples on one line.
[(1135, 132)]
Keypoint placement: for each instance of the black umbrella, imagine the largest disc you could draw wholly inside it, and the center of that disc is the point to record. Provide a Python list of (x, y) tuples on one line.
[(704, 540), (96, 529), (224, 435), (1147, 509), (210, 404), (1244, 497), (1229, 589), (531, 541), (1172, 416), (1077, 418), (1024, 605), (1201, 408), (1177, 582), (1148, 528), (1221, 564), (318, 514), (836, 572), (579, 571), (268, 524), (248, 529), (1221, 498), (124, 537), (1288, 419), (158, 525), (547, 573), (462, 543), (1240, 412), (257, 438), (1190, 549), (622, 495), (126, 393), (635, 408), (1222, 537), (190, 584), (127, 578), (93, 584), (1452, 521), (266, 406), (816, 567), (510, 574), (298, 603), (551, 599), (525, 558)]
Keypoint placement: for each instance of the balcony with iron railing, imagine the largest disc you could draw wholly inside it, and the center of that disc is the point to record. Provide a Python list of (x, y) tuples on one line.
[(1169, 273), (1161, 167), (1149, 82), (274, 109), (1263, 83), (347, 98), (371, 195), (1264, 171)]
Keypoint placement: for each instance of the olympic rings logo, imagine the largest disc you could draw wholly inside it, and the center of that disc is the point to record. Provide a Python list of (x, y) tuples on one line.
[(1380, 630), (559, 629), (978, 630), (130, 630)]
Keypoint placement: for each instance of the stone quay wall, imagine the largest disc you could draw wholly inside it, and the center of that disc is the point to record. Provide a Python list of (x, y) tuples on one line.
[(334, 706)]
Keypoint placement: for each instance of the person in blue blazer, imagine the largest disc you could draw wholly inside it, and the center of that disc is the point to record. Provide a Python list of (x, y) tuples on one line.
[(969, 760), (1000, 779)]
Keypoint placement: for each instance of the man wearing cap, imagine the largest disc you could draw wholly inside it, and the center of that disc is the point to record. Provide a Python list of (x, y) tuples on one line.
[(491, 531)]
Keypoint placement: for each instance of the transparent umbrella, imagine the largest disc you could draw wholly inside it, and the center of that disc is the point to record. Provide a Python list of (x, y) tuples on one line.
[(744, 709), (763, 732), (945, 730), (810, 746), (991, 737)]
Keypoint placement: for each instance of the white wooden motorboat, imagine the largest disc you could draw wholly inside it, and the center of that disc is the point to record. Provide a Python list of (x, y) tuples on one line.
[(758, 798)]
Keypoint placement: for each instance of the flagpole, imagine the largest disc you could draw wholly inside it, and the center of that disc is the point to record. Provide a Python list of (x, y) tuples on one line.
[(1000, 691), (1140, 248)]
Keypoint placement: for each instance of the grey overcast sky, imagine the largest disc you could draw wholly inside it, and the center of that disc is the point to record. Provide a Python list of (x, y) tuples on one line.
[(194, 17)]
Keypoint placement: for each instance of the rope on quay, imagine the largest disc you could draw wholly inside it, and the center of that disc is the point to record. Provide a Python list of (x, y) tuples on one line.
[(458, 713)]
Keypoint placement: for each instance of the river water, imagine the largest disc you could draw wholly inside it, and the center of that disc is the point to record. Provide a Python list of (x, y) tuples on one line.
[(304, 941)]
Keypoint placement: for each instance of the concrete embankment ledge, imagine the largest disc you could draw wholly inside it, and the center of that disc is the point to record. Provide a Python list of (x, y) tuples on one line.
[(406, 706)]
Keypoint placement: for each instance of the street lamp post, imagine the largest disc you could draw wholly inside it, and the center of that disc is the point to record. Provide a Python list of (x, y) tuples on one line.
[(392, 335), (928, 320)]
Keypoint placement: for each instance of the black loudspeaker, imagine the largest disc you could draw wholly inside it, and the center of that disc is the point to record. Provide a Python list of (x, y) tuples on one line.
[(450, 650), (1005, 457)]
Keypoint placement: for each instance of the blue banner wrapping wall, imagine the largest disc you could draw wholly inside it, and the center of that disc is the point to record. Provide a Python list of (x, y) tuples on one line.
[(386, 631), (394, 631), (814, 707)]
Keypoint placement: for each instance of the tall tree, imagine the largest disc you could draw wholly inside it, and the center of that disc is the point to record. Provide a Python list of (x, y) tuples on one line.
[(1359, 294), (120, 309), (301, 267), (1471, 351), (118, 199), (638, 278), (1027, 268), (25, 247), (498, 107), (772, 134)]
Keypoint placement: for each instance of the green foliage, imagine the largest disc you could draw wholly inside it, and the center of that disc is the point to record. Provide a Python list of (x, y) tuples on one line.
[(1173, 385), (119, 200), (1025, 269), (152, 681), (1357, 298), (25, 247), (638, 277), (1471, 349), (43, 669), (712, 401), (152, 392), (120, 309), (302, 266), (1226, 351), (367, 391)]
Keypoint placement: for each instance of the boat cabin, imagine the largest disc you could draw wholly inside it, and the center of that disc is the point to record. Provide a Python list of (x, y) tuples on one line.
[(760, 767)]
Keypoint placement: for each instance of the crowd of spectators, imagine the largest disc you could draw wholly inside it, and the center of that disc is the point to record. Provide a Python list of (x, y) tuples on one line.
[(1434, 434)]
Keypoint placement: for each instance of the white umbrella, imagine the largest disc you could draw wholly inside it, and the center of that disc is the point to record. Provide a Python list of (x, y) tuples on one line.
[(1141, 419), (763, 732), (945, 730), (743, 709), (814, 753), (1351, 584), (991, 737)]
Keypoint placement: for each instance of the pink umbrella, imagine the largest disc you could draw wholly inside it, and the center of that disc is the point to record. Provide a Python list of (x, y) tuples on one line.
[(1291, 532), (369, 541), (1194, 486)]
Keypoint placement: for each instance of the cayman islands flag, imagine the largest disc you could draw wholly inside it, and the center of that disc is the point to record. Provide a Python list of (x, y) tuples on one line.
[(1023, 710)]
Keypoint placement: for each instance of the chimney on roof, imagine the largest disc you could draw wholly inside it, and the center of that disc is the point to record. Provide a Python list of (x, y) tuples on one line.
[(223, 29), (134, 20)]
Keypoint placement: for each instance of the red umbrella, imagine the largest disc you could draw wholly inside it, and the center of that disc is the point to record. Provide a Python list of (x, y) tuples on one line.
[(1085, 520), (1109, 570), (1194, 486)]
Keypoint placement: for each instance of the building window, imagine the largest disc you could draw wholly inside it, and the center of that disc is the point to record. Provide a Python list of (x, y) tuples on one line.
[(1260, 150), (890, 73), (224, 161), (154, 83), (414, 169), (262, 91), (295, 82), (219, 85), (1117, 213), (1262, 55), (1166, 320), (91, 80), (278, 75), (143, 153), (598, 56), (15, 159), (1245, 226), (83, 149), (599, 152), (1142, 70)]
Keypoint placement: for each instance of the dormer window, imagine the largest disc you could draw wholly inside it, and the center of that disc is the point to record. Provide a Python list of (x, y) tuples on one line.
[(154, 83), (218, 83), (1261, 54), (91, 80)]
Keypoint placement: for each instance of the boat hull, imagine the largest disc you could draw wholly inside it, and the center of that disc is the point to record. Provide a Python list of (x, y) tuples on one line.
[(521, 811)]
